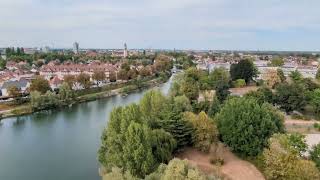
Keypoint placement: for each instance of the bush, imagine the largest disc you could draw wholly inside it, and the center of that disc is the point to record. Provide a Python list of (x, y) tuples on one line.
[(245, 120), (315, 154), (239, 83)]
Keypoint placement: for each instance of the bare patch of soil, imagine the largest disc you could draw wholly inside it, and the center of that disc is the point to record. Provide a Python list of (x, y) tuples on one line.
[(233, 168)]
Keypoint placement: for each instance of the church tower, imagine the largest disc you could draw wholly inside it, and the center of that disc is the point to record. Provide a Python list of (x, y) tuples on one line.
[(125, 51)]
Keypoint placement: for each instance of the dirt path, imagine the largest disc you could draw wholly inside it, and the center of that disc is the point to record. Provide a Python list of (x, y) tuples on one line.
[(233, 168)]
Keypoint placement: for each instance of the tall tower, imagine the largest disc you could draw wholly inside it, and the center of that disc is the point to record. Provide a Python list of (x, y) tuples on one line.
[(76, 47), (125, 51)]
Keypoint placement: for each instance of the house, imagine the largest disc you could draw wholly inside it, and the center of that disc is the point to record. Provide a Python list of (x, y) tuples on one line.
[(55, 83), (22, 85)]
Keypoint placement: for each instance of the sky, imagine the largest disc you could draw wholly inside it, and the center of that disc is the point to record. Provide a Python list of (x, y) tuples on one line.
[(162, 24)]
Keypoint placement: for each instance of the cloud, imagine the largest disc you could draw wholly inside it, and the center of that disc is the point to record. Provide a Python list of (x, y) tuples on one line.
[(161, 24)]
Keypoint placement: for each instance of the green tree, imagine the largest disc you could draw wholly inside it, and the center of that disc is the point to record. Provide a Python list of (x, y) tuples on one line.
[(122, 75), (282, 161), (190, 88), (99, 76), (214, 107), (315, 155), (245, 120), (66, 94), (218, 76), (137, 151), (117, 174), (40, 84), (277, 61), (263, 94), (245, 69), (222, 91), (290, 97), (70, 80), (205, 131), (315, 101), (84, 80), (295, 76), (318, 74), (129, 143), (2, 63), (179, 170), (281, 75)]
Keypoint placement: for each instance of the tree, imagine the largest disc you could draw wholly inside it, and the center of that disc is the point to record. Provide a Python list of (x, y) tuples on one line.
[(205, 131), (112, 77), (290, 97), (214, 107), (172, 122), (271, 78), (132, 74), (13, 91), (262, 95), (99, 76), (40, 84), (281, 161), (41, 102), (318, 74), (122, 75), (277, 61), (70, 80), (190, 88), (66, 94), (246, 126), (295, 76), (245, 69), (137, 151), (130, 144), (84, 80), (281, 75), (315, 101), (179, 170), (2, 63), (217, 76), (222, 91), (144, 72), (117, 174), (315, 155)]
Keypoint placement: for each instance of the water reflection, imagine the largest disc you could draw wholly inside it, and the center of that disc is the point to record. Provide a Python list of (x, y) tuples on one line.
[(58, 144)]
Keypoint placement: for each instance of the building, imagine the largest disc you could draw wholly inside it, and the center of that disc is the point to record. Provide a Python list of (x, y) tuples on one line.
[(22, 85), (76, 47), (125, 51), (75, 69)]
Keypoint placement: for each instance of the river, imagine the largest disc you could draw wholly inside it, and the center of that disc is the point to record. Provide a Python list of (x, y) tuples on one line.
[(58, 145)]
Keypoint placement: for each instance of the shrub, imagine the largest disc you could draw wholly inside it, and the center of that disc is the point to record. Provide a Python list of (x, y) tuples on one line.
[(239, 83), (245, 120)]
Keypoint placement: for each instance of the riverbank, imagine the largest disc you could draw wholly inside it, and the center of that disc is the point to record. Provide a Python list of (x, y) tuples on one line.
[(90, 95)]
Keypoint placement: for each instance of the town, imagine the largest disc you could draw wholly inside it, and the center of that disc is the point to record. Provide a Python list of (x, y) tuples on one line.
[(19, 66)]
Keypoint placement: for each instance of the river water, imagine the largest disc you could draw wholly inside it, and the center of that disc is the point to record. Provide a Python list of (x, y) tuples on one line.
[(58, 145)]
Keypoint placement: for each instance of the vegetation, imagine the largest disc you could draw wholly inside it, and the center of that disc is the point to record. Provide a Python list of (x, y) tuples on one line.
[(315, 155), (239, 83), (282, 161), (40, 84), (205, 131), (245, 69), (290, 97), (245, 120)]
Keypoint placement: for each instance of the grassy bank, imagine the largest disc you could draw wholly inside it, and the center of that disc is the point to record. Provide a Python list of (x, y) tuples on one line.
[(88, 95)]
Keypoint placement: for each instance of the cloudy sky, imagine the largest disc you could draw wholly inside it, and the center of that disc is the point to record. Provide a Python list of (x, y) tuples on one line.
[(180, 24)]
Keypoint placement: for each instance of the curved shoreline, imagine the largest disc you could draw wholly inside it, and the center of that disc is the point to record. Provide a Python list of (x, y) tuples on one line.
[(83, 98)]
